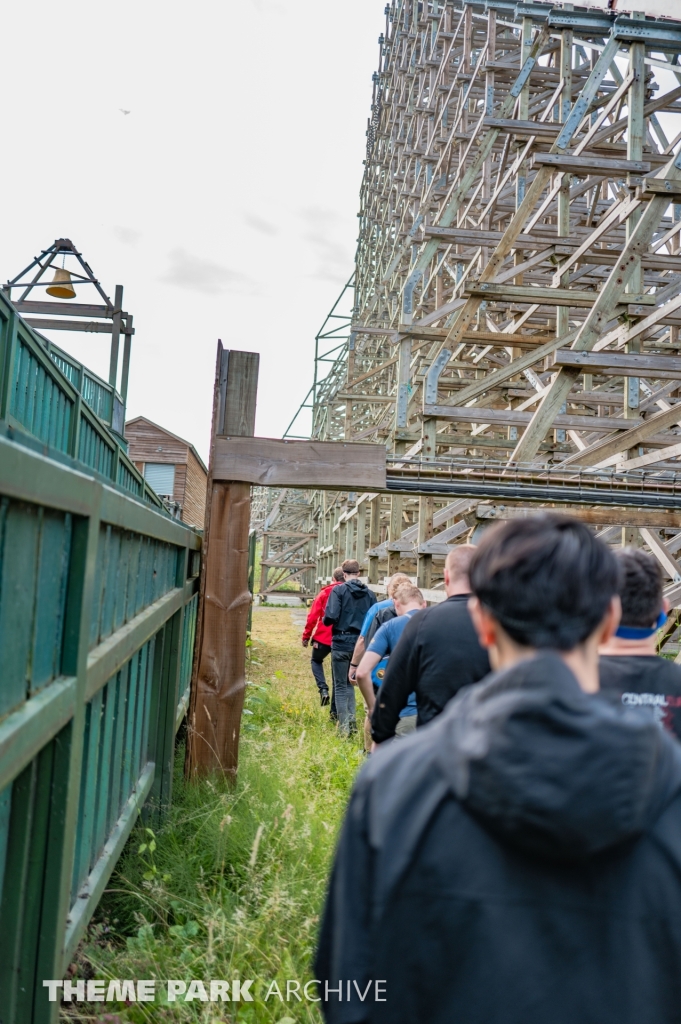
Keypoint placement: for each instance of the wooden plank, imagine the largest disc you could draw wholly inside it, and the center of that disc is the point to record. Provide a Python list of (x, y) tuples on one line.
[(335, 465), (524, 129), (666, 560), (618, 364), (20, 531), (237, 415), (598, 452), (108, 657), (546, 296), (659, 519), (660, 186), (497, 338), (91, 326), (650, 458), (25, 732), (91, 893), (58, 308), (587, 164), (517, 418)]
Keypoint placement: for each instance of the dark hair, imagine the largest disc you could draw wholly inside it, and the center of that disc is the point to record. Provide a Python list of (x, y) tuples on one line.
[(546, 579), (640, 587), (338, 575), (350, 565)]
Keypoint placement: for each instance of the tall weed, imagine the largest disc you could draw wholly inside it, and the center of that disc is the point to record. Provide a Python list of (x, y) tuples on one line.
[(230, 887)]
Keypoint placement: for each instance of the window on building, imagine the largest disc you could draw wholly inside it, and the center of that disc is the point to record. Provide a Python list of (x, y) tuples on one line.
[(161, 477)]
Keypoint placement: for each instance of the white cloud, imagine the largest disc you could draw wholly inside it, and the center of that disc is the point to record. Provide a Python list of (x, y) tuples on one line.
[(199, 275)]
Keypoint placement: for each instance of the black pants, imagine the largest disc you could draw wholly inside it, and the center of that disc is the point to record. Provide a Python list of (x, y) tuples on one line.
[(319, 653)]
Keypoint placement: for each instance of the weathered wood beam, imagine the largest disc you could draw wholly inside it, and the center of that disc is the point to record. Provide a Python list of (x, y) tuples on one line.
[(660, 186), (618, 364), (650, 458), (329, 465), (596, 516), (518, 418), (546, 296), (600, 451), (666, 560), (586, 164)]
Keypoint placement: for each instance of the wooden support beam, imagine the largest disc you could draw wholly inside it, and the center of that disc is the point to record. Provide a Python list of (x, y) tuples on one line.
[(626, 517), (650, 458), (271, 462), (599, 452), (620, 364), (547, 296), (660, 186), (499, 339), (518, 418), (667, 561), (374, 536), (586, 164), (218, 681)]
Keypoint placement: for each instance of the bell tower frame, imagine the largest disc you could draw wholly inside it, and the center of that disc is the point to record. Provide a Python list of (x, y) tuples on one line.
[(106, 317)]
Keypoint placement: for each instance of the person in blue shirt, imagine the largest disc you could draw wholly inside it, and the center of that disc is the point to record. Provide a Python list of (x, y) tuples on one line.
[(408, 601), (381, 611)]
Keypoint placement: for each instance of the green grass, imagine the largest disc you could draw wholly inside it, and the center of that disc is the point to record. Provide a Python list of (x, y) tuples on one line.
[(234, 885)]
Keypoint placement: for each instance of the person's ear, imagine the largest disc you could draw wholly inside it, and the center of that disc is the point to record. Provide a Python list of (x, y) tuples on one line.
[(484, 623), (610, 621), (665, 605), (447, 576)]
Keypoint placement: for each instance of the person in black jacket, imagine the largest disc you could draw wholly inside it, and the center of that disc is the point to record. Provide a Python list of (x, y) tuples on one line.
[(630, 670), (517, 860), (345, 610), (438, 653)]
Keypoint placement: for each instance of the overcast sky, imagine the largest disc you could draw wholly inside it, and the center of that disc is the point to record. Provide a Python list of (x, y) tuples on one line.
[(225, 202)]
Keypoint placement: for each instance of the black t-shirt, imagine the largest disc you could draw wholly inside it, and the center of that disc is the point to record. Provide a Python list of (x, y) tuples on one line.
[(644, 681), (437, 654)]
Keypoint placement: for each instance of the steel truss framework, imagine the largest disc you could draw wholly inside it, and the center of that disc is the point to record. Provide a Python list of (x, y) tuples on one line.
[(518, 274)]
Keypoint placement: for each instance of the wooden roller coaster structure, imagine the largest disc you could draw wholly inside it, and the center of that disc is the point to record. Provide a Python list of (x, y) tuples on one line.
[(511, 332)]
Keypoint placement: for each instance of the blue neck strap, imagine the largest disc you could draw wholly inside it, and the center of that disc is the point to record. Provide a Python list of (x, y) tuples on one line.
[(640, 633)]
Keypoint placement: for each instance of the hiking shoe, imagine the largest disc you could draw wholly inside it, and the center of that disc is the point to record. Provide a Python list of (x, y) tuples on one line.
[(324, 697)]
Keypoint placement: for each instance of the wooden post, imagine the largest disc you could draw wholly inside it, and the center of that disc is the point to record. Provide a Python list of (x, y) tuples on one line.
[(218, 682), (374, 536), (396, 506), (361, 532), (424, 562), (115, 336), (636, 128)]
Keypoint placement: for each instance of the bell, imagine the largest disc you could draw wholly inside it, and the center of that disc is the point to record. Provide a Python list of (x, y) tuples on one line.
[(61, 286)]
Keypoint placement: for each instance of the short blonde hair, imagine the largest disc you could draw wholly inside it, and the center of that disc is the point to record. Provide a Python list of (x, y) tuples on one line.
[(458, 561), (406, 593), (396, 581)]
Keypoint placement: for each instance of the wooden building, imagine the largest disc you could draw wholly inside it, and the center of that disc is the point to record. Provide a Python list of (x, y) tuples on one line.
[(171, 466)]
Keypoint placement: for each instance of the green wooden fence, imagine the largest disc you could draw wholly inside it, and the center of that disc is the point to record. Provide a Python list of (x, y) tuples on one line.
[(98, 600), (65, 407)]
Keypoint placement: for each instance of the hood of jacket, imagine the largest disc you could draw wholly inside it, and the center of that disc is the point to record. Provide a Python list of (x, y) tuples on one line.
[(356, 588), (551, 769)]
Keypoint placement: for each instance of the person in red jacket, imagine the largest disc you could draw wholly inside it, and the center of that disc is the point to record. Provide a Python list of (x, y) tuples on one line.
[(320, 635)]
